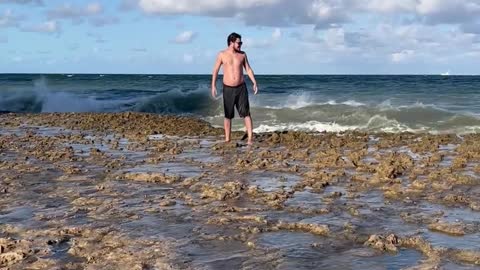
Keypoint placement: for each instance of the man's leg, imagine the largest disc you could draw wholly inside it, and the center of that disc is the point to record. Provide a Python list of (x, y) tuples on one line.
[(227, 125), (243, 108), (249, 126)]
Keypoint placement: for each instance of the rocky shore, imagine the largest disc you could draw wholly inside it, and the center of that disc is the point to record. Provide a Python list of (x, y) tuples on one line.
[(143, 191)]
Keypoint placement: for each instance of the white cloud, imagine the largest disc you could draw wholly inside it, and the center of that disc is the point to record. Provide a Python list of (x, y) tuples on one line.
[(448, 11), (38, 2), (321, 13), (335, 38), (73, 46), (46, 27), (128, 5), (263, 43), (193, 6), (308, 36), (98, 38), (254, 12), (473, 28), (8, 19), (93, 8), (103, 21), (17, 59), (51, 62), (92, 12), (188, 58), (402, 56), (429, 11), (185, 37), (140, 50), (324, 12), (379, 31), (387, 6), (328, 31), (67, 11), (277, 34)]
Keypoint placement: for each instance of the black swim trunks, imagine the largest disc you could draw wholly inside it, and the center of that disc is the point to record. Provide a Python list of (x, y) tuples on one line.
[(236, 96)]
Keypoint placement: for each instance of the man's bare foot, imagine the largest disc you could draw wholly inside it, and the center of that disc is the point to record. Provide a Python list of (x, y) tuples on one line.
[(250, 143), (227, 141)]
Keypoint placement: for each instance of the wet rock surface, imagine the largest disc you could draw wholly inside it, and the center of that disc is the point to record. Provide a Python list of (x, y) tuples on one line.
[(142, 191)]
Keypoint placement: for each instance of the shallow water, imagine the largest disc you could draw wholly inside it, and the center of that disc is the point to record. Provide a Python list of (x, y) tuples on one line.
[(208, 222)]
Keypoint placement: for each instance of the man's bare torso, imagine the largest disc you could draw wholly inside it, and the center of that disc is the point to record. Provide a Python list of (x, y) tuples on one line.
[(233, 63)]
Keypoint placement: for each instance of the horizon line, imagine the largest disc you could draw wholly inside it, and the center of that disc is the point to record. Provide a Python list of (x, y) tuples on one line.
[(257, 74)]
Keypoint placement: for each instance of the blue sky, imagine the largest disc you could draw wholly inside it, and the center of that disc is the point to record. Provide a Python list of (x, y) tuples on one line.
[(280, 36)]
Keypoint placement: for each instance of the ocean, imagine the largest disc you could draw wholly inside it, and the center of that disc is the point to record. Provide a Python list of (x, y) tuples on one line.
[(317, 103)]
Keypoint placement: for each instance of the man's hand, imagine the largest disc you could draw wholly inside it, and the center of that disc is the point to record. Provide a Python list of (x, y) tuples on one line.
[(255, 89), (214, 91)]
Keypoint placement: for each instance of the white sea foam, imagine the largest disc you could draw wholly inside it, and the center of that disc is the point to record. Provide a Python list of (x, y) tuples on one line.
[(63, 102), (464, 130), (382, 123), (385, 105), (375, 123), (330, 102), (418, 104), (305, 101), (353, 103), (294, 101), (57, 101), (312, 126), (392, 127)]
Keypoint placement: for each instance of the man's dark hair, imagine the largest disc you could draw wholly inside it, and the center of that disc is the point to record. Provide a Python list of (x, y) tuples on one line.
[(232, 38)]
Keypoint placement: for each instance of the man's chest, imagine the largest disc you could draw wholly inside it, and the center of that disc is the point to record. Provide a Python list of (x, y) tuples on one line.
[(234, 60)]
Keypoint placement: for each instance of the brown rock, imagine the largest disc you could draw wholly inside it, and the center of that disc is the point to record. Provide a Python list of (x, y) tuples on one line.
[(453, 229), (383, 243)]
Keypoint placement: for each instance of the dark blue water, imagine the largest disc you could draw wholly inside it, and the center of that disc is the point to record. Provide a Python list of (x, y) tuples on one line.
[(436, 104)]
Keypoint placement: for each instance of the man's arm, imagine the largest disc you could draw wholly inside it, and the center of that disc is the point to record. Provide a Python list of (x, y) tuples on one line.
[(216, 68), (250, 74)]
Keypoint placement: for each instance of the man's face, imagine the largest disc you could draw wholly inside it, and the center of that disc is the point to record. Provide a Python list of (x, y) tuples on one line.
[(237, 44)]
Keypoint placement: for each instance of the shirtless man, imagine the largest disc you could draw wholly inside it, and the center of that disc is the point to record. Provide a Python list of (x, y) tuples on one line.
[(235, 92)]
